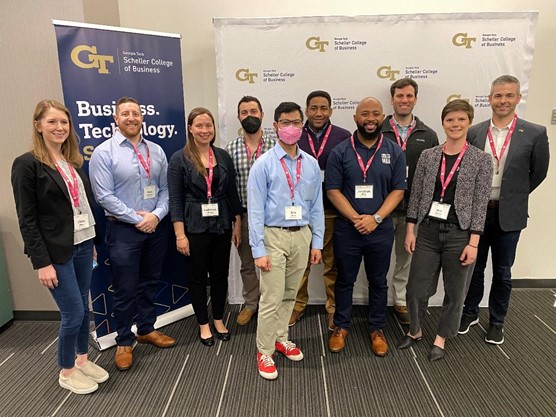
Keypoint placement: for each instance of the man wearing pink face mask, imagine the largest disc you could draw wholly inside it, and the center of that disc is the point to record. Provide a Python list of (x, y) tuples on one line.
[(286, 225)]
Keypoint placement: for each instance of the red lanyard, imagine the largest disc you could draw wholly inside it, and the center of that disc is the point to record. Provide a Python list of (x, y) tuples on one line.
[(322, 144), (452, 171), (289, 177), (365, 168), (506, 142), (250, 154), (403, 144), (73, 186), (146, 165), (208, 178)]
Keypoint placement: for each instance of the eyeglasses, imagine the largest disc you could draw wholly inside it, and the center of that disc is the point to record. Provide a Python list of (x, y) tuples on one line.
[(288, 123)]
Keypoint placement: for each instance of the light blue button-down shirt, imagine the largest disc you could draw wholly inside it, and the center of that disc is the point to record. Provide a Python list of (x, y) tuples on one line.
[(118, 179), (268, 194)]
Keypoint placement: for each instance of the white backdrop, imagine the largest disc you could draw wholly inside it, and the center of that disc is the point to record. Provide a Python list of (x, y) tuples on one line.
[(452, 55)]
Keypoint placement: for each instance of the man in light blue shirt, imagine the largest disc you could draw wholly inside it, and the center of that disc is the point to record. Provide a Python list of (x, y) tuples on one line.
[(286, 227), (129, 179)]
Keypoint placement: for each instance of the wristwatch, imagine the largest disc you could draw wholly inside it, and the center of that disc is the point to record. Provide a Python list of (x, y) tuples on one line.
[(378, 219)]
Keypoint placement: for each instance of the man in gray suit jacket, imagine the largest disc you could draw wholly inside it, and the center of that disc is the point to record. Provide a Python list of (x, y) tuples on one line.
[(520, 158)]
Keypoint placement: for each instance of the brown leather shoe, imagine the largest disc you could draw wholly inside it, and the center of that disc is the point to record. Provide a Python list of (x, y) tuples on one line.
[(401, 314), (378, 343), (296, 315), (124, 357), (330, 320), (337, 341), (244, 316), (157, 338)]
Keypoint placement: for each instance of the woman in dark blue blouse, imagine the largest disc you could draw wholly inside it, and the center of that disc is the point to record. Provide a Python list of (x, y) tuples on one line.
[(205, 211)]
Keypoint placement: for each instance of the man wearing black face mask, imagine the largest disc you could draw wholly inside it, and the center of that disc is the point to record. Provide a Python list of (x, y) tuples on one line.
[(365, 180), (244, 150)]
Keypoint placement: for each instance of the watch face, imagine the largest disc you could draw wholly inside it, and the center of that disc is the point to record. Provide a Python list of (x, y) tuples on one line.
[(378, 218)]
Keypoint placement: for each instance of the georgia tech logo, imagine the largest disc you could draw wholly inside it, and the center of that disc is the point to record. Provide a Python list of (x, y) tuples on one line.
[(452, 97), (314, 43), (461, 39), (386, 71), (243, 74), (94, 60)]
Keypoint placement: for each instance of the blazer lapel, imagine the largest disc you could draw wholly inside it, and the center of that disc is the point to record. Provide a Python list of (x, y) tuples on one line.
[(55, 175), (516, 141)]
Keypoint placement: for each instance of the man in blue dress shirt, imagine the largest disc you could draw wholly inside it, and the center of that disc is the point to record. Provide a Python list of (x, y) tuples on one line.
[(286, 225), (129, 180)]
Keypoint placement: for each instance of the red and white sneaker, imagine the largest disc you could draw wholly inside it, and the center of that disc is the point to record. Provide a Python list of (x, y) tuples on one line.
[(289, 350), (267, 369)]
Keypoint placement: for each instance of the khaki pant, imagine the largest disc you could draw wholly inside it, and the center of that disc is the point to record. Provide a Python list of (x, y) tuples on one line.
[(288, 252), (248, 271), (329, 272), (403, 259)]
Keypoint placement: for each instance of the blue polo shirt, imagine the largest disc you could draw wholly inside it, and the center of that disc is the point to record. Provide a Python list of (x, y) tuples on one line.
[(386, 173)]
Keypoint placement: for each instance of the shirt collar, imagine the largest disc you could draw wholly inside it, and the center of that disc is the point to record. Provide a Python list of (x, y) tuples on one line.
[(121, 138), (280, 152), (413, 121), (320, 131), (500, 128)]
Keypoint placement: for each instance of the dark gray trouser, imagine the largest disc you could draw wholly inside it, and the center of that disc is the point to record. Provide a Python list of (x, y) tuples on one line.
[(438, 246)]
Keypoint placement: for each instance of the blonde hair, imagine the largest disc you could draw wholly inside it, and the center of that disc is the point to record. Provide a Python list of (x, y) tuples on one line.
[(190, 150), (69, 149)]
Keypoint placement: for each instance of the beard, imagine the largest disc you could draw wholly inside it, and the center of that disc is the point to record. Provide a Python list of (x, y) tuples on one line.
[(368, 135)]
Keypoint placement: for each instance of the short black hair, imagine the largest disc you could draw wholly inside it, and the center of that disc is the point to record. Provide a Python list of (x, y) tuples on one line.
[(319, 93), (404, 82), (287, 107), (247, 99)]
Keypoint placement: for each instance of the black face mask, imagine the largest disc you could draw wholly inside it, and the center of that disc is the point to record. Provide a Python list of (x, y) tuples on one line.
[(251, 124)]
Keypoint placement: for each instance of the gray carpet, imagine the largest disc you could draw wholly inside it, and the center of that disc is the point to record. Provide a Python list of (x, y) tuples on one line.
[(475, 379)]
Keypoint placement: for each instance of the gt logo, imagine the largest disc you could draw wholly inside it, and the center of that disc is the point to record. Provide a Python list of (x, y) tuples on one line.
[(94, 60)]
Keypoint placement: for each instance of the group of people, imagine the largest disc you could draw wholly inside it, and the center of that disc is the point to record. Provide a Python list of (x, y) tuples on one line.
[(316, 194)]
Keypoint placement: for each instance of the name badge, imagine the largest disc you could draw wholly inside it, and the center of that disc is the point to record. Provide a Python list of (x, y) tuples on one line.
[(149, 192), (293, 212), (322, 171), (363, 191), (209, 210), (439, 210), (80, 222)]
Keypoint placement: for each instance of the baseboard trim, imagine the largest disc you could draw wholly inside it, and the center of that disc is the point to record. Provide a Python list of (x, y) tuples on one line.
[(36, 315), (533, 283)]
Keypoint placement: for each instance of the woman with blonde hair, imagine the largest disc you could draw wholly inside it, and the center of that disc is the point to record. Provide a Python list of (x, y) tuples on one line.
[(52, 196)]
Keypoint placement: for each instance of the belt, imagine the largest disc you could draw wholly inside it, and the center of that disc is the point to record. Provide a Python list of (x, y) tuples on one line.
[(493, 204), (111, 219), (289, 229)]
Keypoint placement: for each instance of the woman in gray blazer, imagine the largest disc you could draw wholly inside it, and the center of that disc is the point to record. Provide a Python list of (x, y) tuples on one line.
[(52, 195), (449, 199)]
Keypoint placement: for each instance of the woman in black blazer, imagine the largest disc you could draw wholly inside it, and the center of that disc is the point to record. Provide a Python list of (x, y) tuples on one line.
[(205, 211), (52, 195)]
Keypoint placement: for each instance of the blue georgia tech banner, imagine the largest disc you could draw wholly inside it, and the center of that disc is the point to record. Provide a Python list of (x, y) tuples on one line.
[(98, 65)]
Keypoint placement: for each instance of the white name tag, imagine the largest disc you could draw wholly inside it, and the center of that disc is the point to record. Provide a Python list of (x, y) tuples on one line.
[(149, 192), (363, 191), (80, 222), (439, 210), (209, 210), (293, 212), (322, 171)]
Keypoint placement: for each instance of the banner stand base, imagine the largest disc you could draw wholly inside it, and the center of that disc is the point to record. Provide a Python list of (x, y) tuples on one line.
[(109, 340)]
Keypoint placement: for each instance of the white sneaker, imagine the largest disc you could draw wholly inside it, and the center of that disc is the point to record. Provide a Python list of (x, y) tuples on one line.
[(93, 371), (78, 383)]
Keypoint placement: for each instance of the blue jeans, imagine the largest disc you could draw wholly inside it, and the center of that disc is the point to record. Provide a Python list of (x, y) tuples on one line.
[(72, 297), (375, 249), (503, 246)]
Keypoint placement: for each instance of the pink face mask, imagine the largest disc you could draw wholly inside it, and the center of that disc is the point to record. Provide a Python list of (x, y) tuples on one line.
[(289, 135)]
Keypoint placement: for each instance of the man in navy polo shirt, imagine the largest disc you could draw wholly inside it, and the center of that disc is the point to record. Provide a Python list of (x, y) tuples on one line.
[(365, 180), (319, 137)]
